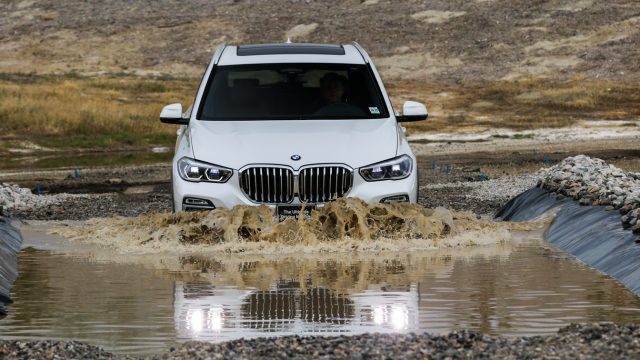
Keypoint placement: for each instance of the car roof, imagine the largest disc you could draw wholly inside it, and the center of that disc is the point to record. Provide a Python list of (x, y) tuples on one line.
[(290, 53)]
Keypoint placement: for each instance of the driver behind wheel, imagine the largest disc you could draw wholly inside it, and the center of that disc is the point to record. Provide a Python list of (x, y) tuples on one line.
[(333, 91), (332, 88)]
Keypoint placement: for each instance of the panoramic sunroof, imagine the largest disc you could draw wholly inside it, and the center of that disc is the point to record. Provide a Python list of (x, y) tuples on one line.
[(281, 49)]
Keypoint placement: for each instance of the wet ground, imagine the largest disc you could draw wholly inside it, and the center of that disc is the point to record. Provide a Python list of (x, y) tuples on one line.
[(137, 185), (519, 288), (142, 304)]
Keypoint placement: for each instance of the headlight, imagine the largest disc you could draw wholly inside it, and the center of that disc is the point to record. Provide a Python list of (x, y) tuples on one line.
[(196, 171), (392, 169)]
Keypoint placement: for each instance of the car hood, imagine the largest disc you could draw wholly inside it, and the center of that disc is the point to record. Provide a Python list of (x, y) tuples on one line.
[(236, 144)]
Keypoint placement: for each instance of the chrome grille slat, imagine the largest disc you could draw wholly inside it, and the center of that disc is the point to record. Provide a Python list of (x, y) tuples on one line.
[(309, 191), (281, 185), (315, 193), (269, 190), (255, 184), (333, 173), (246, 179), (289, 189), (344, 178), (301, 183), (290, 186), (267, 184), (272, 187), (261, 180), (337, 183), (275, 184), (322, 184), (323, 180)]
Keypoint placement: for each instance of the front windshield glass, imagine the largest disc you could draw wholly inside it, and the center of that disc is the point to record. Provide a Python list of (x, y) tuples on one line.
[(292, 91)]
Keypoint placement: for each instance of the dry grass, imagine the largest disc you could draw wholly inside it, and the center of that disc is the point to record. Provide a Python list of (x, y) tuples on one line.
[(70, 111), (122, 111), (519, 105)]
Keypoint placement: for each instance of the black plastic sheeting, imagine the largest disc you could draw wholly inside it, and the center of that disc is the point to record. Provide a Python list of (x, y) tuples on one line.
[(591, 233), (10, 243)]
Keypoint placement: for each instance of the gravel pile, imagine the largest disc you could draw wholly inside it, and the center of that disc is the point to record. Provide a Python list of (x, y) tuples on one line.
[(602, 341), (504, 188), (15, 197), (480, 197), (50, 349), (12, 196), (87, 206), (594, 182)]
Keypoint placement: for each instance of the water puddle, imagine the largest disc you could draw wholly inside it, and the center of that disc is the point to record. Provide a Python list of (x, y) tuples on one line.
[(141, 285)]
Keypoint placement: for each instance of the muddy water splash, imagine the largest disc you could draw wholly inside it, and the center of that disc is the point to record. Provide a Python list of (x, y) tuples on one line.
[(342, 225)]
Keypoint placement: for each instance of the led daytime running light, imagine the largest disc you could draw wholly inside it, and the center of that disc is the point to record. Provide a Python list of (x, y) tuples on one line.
[(198, 171), (392, 169)]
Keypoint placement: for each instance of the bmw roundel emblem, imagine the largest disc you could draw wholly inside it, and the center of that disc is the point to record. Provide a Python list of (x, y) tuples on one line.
[(295, 157)]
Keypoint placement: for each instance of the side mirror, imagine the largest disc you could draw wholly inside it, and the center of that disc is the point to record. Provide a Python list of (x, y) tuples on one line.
[(412, 111), (172, 114)]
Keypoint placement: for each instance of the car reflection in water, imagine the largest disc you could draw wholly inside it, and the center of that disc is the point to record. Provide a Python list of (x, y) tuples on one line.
[(209, 313)]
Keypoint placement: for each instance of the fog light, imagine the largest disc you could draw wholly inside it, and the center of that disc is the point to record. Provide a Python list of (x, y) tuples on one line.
[(195, 204), (395, 199), (196, 201)]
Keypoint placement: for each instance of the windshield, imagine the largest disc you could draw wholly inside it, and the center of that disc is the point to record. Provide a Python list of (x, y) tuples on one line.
[(292, 91)]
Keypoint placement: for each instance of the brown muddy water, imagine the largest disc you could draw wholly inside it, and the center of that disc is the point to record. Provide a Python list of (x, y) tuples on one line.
[(140, 303)]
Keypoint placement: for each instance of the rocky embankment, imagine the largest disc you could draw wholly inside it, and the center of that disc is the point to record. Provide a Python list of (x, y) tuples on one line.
[(594, 182)]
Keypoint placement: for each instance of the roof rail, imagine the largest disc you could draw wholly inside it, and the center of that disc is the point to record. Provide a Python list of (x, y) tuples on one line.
[(218, 54), (362, 52)]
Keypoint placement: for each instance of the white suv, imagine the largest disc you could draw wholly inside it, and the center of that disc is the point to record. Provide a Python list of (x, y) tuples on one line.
[(291, 124)]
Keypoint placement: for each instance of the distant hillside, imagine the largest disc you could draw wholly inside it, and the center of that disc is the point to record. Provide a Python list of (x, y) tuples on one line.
[(450, 40)]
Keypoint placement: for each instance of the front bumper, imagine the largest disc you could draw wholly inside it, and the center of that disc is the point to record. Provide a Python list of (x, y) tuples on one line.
[(230, 194)]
